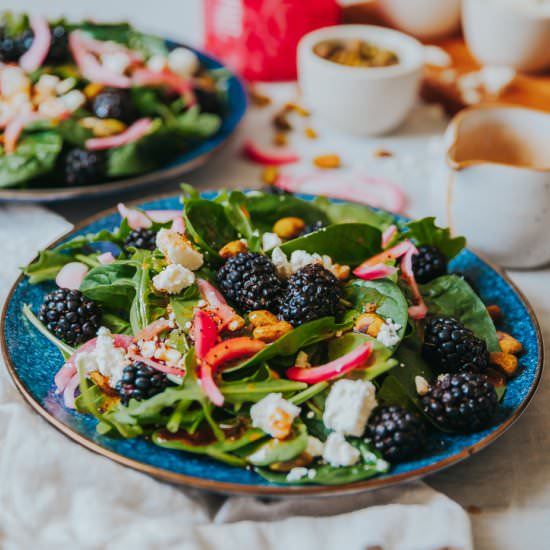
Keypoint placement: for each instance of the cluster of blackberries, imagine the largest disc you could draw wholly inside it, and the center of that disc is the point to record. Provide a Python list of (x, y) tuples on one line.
[(250, 281), (140, 381), (13, 47)]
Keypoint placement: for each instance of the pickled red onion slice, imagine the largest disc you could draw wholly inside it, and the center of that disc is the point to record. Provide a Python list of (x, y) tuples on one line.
[(134, 132), (268, 157), (33, 58)]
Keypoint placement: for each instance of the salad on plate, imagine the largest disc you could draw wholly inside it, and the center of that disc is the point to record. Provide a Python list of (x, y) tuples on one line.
[(84, 103), (314, 342)]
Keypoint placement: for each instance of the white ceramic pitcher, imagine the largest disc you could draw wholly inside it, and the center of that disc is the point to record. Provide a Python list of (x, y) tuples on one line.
[(497, 187)]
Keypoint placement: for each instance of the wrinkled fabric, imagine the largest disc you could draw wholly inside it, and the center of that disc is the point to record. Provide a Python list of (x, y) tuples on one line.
[(56, 494)]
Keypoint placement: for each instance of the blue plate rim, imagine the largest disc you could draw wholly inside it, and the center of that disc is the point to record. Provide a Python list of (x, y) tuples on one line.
[(197, 156), (265, 490)]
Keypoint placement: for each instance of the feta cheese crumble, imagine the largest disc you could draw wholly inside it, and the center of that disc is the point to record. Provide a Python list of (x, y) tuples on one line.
[(270, 240), (338, 452), (183, 62), (349, 405), (157, 63), (116, 62), (274, 415), (173, 279), (299, 259), (105, 358), (388, 333), (297, 473), (314, 447), (178, 250)]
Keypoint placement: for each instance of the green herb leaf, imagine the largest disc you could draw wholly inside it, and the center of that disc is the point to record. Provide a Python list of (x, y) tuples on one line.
[(425, 232), (346, 243), (46, 266), (451, 296)]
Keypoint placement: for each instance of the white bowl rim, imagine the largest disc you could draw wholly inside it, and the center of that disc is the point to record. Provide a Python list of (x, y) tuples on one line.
[(410, 45)]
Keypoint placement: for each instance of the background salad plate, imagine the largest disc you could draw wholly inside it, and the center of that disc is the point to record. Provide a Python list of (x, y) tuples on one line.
[(174, 169), (33, 361)]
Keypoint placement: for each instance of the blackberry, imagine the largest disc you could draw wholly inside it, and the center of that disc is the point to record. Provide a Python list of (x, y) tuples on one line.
[(113, 103), (312, 292), (396, 433), (140, 381), (59, 48), (428, 264), (84, 167), (209, 101), (250, 281), (144, 239), (451, 347), (463, 402), (9, 48), (312, 227), (70, 316)]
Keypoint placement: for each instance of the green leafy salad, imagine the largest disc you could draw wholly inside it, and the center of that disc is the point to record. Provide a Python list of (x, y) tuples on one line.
[(315, 342), (83, 103)]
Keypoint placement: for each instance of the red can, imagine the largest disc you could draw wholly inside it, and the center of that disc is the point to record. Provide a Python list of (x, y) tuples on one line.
[(258, 38)]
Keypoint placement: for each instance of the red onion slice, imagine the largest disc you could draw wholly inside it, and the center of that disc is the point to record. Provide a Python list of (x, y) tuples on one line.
[(33, 58), (71, 275), (134, 132), (268, 157)]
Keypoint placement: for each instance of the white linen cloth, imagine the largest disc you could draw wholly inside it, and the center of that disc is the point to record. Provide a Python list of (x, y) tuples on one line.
[(56, 494)]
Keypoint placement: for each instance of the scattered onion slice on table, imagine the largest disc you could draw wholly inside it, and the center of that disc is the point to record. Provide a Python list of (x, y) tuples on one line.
[(134, 132), (346, 185), (334, 369), (268, 157), (33, 58)]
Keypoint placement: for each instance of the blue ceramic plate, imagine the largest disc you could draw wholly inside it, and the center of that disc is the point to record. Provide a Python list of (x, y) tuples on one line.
[(237, 101), (33, 361)]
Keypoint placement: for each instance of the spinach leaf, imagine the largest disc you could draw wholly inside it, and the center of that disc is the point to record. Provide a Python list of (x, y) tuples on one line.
[(239, 392), (346, 243), (347, 212), (390, 301), (46, 266), (35, 155), (194, 124), (425, 232), (451, 296), (208, 226), (116, 324), (265, 209), (295, 340), (111, 286)]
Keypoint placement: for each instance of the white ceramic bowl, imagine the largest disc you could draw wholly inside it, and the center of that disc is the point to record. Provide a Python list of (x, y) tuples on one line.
[(497, 188), (422, 18), (361, 100), (501, 33)]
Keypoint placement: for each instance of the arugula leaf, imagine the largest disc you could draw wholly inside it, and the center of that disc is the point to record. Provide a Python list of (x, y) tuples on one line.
[(72, 132), (184, 304), (451, 296), (348, 212), (35, 155), (237, 213), (426, 232), (346, 243), (46, 266), (390, 301), (194, 124)]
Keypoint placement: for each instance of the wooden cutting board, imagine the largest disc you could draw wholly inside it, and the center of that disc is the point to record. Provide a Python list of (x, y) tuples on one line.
[(526, 89)]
